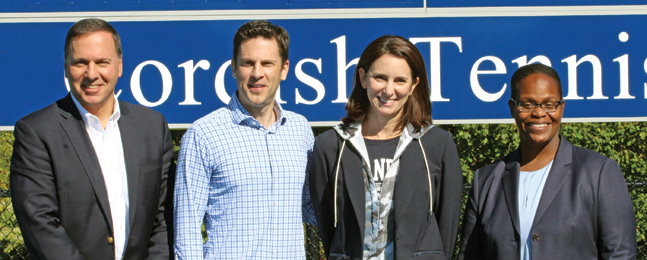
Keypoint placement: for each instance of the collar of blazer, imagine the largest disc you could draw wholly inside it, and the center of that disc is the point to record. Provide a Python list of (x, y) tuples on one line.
[(558, 173), (72, 124)]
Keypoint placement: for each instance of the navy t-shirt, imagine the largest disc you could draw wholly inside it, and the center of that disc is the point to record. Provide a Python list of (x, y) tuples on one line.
[(380, 154)]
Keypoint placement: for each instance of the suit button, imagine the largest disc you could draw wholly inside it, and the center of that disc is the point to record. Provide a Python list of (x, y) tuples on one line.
[(535, 237), (110, 240)]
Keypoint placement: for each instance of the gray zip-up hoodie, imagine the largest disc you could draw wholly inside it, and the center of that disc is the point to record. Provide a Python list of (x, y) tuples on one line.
[(355, 222), (379, 228)]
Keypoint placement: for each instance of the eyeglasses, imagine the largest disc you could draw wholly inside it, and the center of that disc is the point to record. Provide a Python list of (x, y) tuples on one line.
[(529, 106)]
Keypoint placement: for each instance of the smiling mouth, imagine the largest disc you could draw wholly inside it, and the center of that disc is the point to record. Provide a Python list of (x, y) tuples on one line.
[(256, 89), (387, 101), (91, 88), (538, 125)]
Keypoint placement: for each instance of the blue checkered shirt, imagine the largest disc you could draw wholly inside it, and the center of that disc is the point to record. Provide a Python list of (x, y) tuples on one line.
[(246, 183)]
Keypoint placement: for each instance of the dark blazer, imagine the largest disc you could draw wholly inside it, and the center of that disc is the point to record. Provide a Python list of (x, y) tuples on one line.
[(59, 195), (418, 235), (584, 212)]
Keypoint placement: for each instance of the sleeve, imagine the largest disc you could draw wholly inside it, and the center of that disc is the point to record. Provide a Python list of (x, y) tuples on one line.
[(616, 217), (318, 181), (308, 211), (470, 236), (159, 246), (34, 198), (191, 194), (451, 192)]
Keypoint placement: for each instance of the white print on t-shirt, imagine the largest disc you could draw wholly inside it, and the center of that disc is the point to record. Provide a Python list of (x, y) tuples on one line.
[(381, 166)]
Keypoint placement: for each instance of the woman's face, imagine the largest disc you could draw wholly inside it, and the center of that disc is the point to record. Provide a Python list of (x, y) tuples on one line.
[(538, 127), (388, 83)]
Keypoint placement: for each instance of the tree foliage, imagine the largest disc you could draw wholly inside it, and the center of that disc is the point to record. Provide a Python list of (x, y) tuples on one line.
[(6, 148), (625, 142)]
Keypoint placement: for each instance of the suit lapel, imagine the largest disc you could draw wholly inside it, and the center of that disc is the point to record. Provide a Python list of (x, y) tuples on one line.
[(558, 173), (510, 181), (72, 124), (129, 139)]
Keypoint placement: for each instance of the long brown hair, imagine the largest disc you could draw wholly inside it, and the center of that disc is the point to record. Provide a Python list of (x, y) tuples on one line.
[(417, 109)]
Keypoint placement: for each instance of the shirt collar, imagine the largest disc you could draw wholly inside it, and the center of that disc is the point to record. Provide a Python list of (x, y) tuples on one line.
[(240, 115), (86, 116)]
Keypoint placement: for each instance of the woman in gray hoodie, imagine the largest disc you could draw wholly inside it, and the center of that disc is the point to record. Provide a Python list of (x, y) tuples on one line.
[(386, 183)]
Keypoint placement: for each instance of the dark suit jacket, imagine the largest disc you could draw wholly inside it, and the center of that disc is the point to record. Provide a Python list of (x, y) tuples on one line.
[(584, 212), (417, 234), (59, 195)]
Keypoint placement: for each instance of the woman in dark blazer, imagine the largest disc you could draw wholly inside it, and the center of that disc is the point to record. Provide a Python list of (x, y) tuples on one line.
[(386, 183), (549, 199)]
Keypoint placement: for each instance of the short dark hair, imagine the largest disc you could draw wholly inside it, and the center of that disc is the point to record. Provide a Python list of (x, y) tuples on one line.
[(88, 26), (528, 70), (417, 109), (265, 29)]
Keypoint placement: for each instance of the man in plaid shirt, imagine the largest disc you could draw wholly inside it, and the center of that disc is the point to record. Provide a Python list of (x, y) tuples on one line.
[(242, 168)]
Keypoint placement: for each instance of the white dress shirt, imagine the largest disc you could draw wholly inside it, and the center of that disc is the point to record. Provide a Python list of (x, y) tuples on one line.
[(109, 150)]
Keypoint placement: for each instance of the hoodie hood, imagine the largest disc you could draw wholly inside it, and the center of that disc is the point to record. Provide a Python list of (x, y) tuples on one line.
[(374, 202), (353, 134), (348, 131)]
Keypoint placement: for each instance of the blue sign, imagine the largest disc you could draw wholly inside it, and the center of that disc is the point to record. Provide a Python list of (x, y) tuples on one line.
[(180, 65)]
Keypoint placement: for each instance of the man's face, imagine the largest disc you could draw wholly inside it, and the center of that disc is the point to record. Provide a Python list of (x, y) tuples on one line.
[(258, 71), (92, 69), (538, 127)]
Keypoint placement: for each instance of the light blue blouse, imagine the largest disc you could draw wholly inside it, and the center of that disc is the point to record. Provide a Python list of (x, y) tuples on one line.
[(531, 185)]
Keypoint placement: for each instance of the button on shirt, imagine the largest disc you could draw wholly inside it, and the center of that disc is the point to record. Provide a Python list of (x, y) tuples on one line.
[(531, 186), (109, 150), (246, 183)]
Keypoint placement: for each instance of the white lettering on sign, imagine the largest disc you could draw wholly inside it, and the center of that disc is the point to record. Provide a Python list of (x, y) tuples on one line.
[(573, 64), (499, 68), (167, 83), (219, 83), (623, 61), (434, 61), (572, 76), (189, 70), (310, 81), (342, 67)]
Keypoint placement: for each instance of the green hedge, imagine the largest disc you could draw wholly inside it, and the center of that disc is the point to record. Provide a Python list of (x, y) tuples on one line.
[(6, 143), (481, 144)]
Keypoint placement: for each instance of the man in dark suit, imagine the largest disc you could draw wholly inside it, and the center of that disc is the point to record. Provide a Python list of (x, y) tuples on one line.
[(89, 173), (549, 199)]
